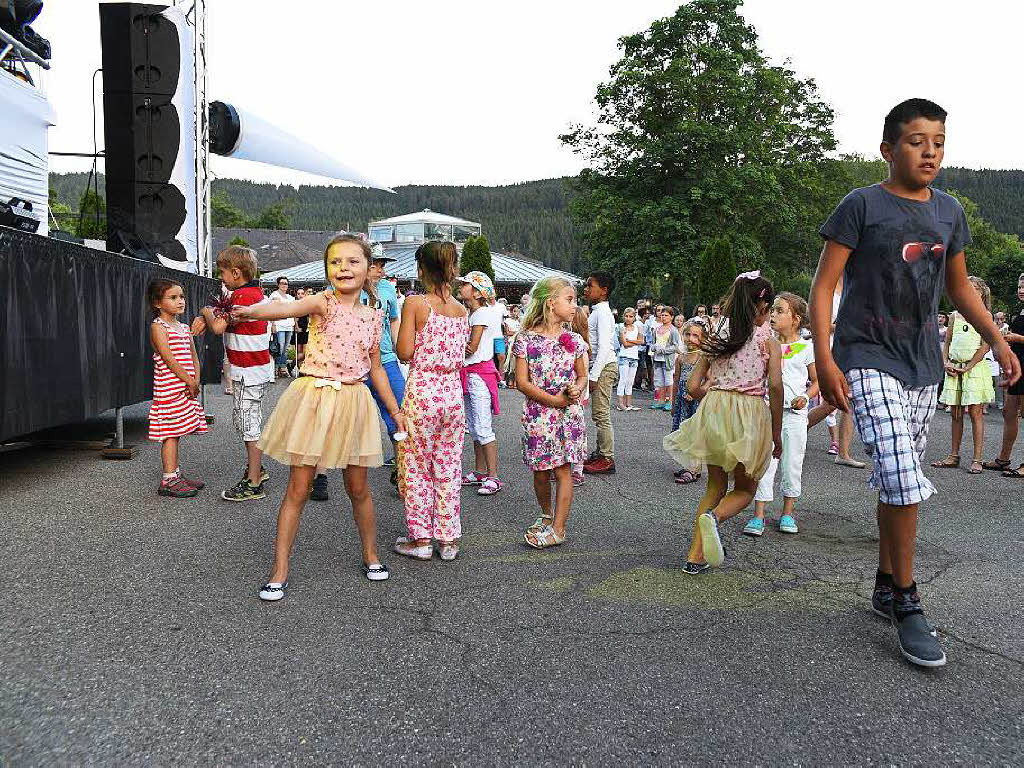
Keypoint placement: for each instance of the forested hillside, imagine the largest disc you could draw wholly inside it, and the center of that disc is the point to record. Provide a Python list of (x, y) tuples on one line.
[(531, 217)]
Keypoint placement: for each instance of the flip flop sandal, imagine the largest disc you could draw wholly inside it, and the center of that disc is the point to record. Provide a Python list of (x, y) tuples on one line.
[(490, 486), (998, 465), (1017, 473), (950, 462), (975, 468), (687, 477)]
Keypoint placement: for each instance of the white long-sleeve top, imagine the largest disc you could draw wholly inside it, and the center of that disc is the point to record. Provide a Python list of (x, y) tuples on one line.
[(601, 329)]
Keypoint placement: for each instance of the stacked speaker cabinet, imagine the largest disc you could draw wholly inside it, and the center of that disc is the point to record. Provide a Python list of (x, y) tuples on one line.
[(149, 133)]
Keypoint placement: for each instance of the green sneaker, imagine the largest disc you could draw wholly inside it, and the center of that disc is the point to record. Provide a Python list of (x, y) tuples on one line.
[(244, 492), (264, 475)]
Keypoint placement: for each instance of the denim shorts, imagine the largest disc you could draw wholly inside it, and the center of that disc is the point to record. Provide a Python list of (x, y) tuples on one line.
[(397, 382)]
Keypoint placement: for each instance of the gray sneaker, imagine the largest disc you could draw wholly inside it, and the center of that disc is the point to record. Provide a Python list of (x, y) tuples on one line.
[(918, 644), (881, 604)]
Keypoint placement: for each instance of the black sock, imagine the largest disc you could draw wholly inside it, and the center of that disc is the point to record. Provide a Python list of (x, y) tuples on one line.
[(883, 579)]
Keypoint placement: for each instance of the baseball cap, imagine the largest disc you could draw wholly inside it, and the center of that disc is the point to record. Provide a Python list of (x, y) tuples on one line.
[(481, 282)]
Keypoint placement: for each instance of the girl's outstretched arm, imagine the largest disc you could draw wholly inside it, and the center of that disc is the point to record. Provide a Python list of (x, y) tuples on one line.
[(279, 310), (158, 338), (532, 391), (775, 393)]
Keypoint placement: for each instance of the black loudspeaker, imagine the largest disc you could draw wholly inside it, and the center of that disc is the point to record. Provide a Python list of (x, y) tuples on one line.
[(145, 136)]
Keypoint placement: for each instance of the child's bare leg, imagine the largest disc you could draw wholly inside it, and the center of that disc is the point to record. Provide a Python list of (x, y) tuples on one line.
[(169, 455), (845, 434), (669, 393), (255, 458), (563, 498), (759, 509), (542, 487), (977, 430), (1011, 407), (718, 484), (897, 535), (299, 481), (789, 506), (739, 498), (480, 457), (958, 428), (358, 491)]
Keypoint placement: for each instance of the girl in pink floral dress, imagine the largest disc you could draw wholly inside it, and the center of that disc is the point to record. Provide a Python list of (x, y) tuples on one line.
[(433, 336), (551, 370)]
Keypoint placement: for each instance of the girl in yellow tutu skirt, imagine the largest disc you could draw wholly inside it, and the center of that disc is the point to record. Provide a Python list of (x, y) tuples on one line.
[(328, 417), (733, 430)]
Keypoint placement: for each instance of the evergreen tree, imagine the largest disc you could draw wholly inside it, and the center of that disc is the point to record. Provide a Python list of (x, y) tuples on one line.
[(715, 271), (92, 217), (476, 256), (274, 216), (223, 212)]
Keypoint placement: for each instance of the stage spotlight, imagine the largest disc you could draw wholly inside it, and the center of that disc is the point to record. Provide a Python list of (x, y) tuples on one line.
[(234, 132)]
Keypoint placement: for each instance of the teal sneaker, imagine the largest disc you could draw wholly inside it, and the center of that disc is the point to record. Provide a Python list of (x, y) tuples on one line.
[(667, 407), (787, 524), (754, 527)]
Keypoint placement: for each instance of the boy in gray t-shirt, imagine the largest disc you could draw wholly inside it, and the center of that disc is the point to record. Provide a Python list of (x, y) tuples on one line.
[(897, 244)]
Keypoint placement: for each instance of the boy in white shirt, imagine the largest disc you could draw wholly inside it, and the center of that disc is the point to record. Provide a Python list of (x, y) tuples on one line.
[(604, 373)]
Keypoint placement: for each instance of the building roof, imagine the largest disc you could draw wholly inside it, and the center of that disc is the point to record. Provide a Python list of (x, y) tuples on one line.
[(276, 249), (507, 268), (426, 216)]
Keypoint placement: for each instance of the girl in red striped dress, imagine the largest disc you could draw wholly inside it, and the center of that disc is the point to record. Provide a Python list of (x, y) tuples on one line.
[(175, 410)]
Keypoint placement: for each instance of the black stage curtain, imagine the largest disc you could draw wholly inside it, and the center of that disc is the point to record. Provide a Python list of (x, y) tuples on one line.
[(74, 331)]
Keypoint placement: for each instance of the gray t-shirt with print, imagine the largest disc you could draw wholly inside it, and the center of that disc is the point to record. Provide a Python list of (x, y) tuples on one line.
[(893, 280)]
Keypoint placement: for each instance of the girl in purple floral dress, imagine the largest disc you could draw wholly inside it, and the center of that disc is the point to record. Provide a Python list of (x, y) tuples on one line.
[(551, 370)]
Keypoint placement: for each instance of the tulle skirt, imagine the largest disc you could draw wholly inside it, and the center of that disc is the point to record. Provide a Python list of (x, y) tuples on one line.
[(727, 429), (323, 426)]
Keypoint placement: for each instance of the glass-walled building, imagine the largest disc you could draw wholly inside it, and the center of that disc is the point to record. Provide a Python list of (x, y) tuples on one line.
[(421, 227)]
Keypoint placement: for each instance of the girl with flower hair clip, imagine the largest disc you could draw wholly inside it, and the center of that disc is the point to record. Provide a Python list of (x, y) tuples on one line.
[(551, 371)]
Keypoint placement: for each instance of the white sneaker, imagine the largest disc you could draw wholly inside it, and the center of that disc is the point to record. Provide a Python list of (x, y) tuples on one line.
[(273, 591)]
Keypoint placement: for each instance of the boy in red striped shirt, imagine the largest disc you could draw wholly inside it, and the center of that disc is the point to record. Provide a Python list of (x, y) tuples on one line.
[(251, 370)]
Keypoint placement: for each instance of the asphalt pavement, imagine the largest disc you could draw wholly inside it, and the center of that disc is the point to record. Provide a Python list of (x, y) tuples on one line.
[(131, 631)]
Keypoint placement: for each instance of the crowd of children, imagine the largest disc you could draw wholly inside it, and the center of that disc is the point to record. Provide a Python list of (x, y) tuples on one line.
[(740, 383)]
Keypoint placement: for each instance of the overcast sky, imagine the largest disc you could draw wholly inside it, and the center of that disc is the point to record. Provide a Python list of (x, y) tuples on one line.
[(451, 92)]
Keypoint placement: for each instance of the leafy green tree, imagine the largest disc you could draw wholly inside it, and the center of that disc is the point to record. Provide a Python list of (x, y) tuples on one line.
[(275, 216), (223, 212), (476, 255), (699, 137), (61, 213), (239, 240), (994, 256), (92, 216)]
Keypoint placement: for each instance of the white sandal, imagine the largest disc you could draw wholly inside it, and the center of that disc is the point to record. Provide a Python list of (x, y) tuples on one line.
[(544, 538), (404, 546)]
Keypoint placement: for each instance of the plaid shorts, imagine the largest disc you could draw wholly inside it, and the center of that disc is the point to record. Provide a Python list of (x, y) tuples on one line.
[(892, 420), (248, 409)]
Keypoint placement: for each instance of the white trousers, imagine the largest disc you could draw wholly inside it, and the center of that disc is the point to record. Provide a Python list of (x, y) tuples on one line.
[(794, 446), (478, 410)]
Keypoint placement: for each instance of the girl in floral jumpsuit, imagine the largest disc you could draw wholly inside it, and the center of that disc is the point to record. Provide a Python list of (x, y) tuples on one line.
[(433, 336)]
